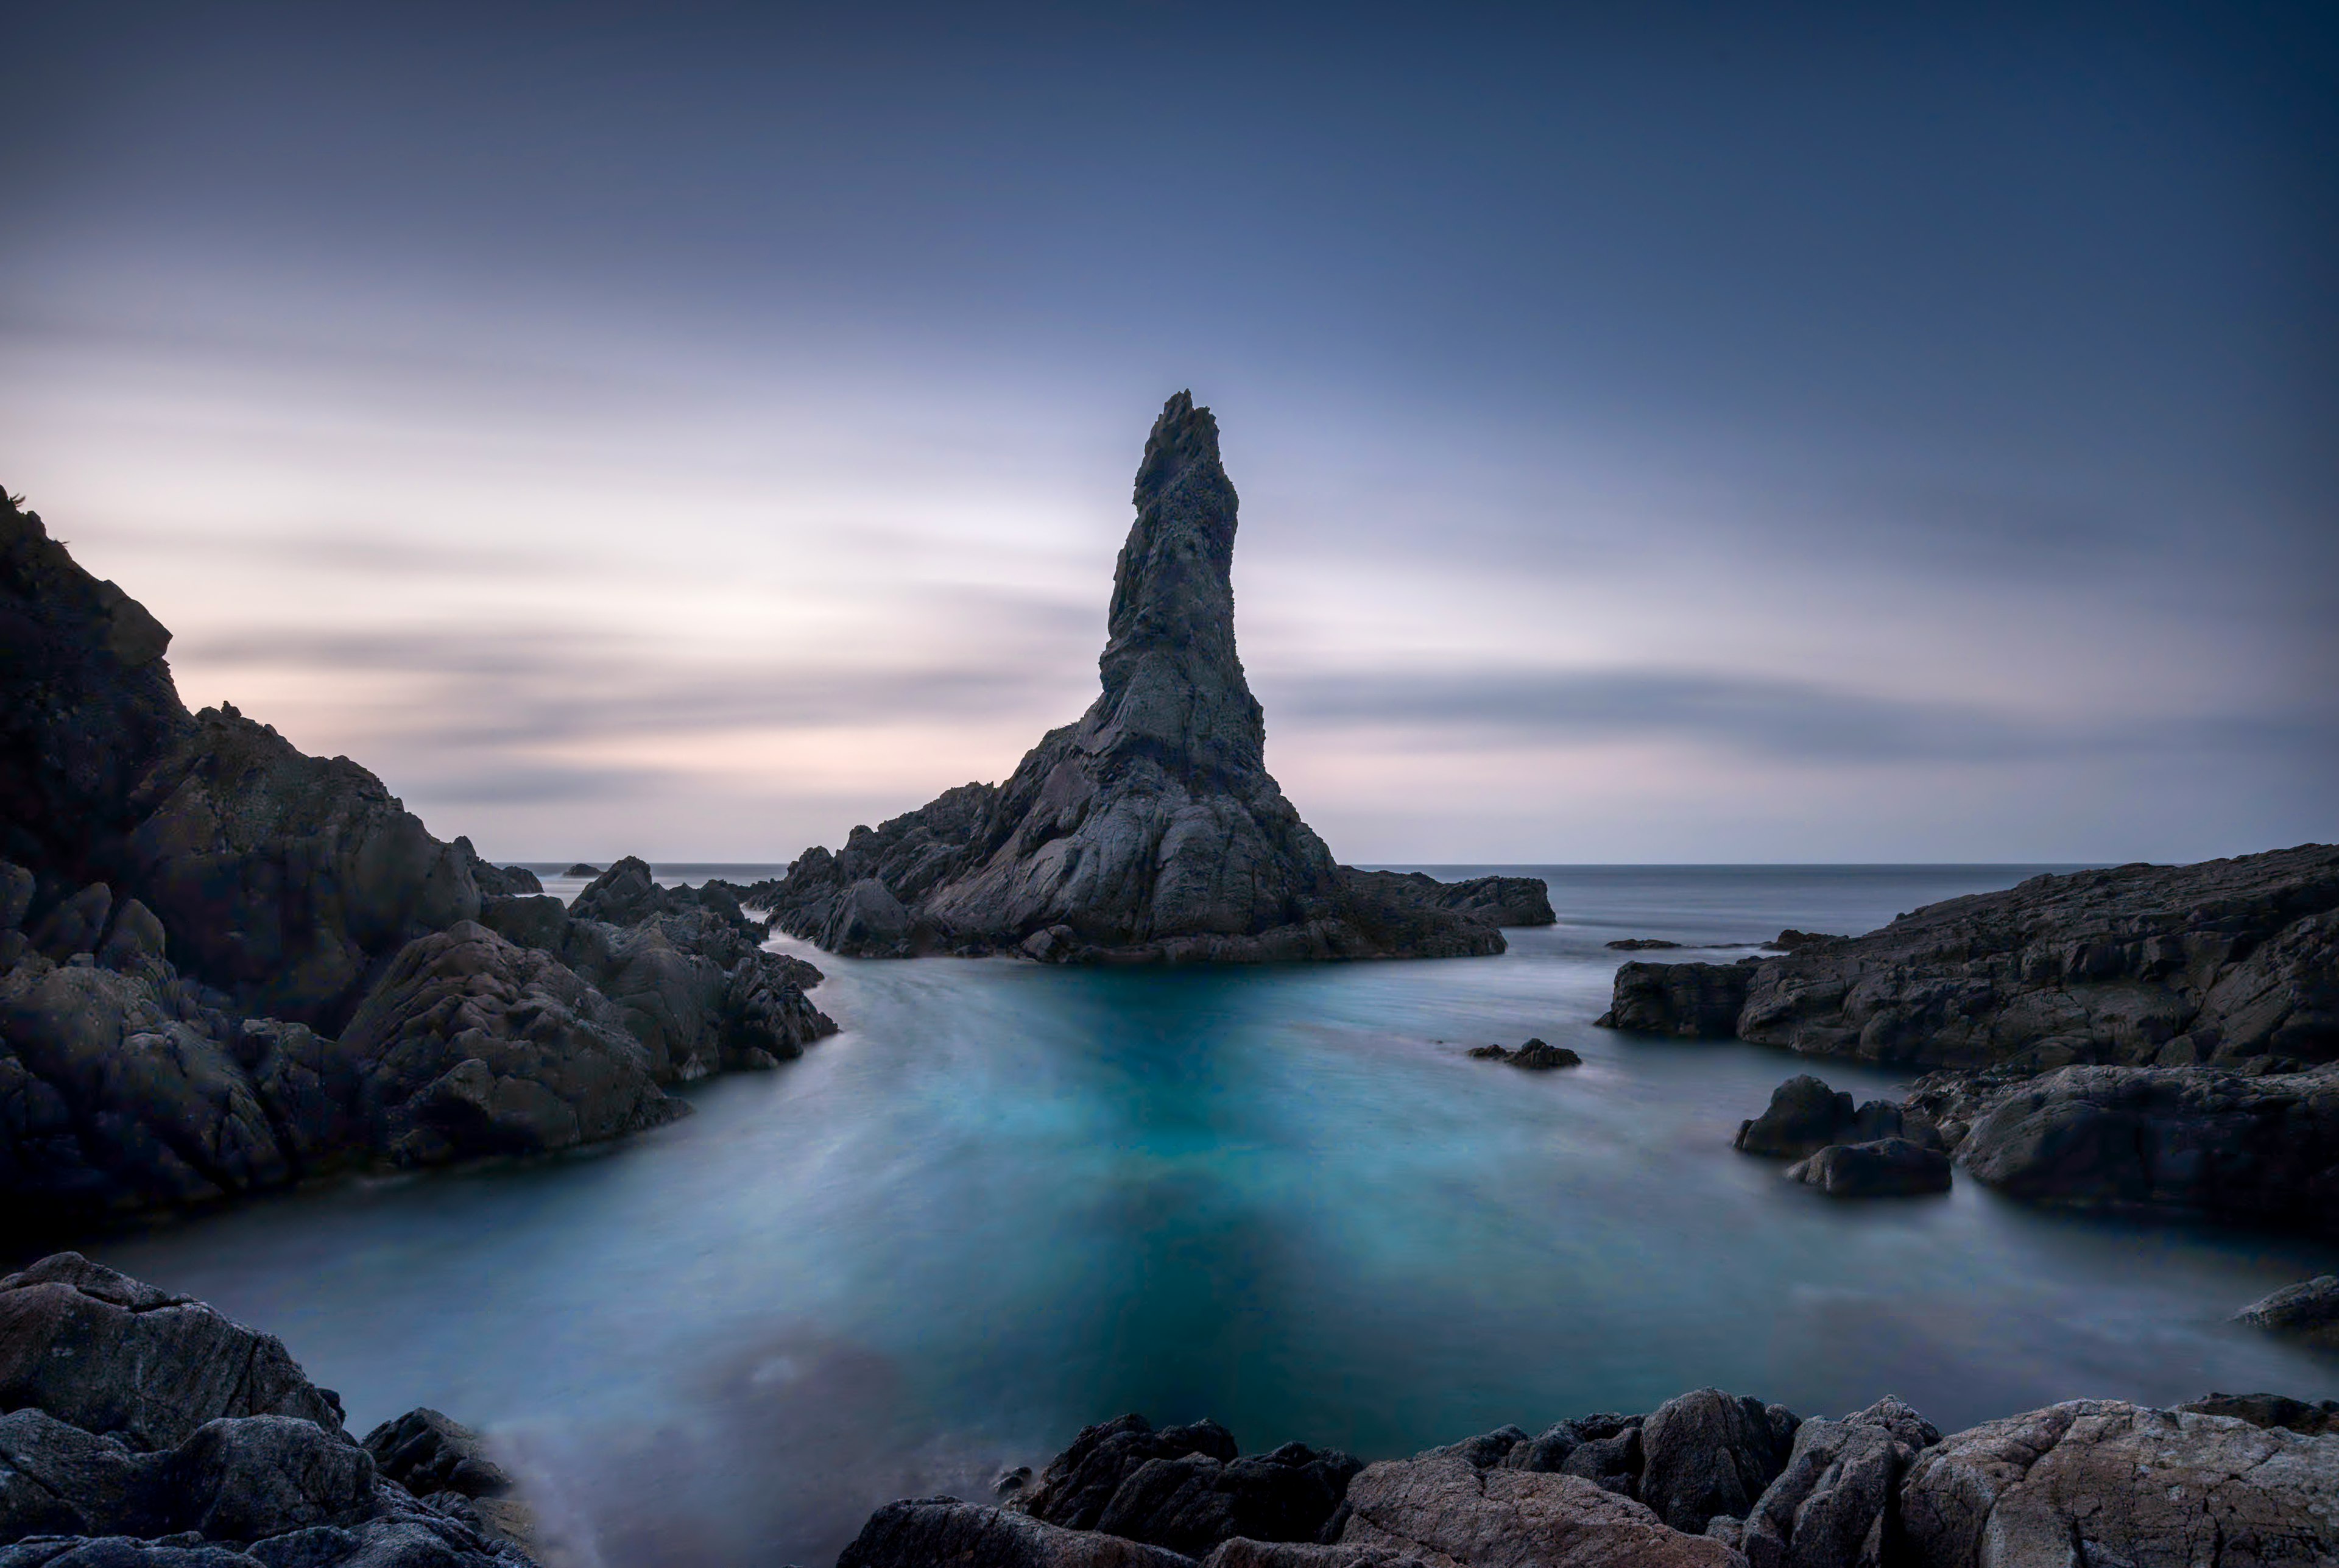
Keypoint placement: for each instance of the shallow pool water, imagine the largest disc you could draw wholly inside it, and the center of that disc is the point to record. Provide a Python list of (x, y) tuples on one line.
[(1008, 1200)]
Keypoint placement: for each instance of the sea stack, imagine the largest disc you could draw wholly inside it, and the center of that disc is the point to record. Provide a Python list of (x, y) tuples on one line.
[(1150, 830)]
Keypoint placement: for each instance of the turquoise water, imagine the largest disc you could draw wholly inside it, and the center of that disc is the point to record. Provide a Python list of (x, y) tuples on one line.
[(1009, 1200)]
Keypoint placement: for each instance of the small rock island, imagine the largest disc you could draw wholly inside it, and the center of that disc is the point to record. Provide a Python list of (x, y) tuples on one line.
[(1149, 831)]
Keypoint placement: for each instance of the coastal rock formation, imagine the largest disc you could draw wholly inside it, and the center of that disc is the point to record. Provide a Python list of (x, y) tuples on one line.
[(2103, 1481), (1886, 1167), (2309, 1309), (921, 1532), (225, 966), (1445, 1510), (1805, 1116), (1150, 830), (1534, 1055), (1707, 1451), (2318, 1419), (1836, 1502), (144, 1428), (2221, 962), (2264, 1149)]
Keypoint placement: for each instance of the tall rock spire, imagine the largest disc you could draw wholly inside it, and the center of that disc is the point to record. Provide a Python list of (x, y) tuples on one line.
[(1150, 829)]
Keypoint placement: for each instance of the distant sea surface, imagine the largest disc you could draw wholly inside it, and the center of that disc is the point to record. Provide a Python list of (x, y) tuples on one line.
[(1008, 1200)]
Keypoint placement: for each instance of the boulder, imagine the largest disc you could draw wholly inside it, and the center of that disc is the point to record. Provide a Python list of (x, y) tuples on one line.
[(2313, 1420), (2262, 1148), (921, 1533), (1193, 1502), (1444, 1511), (469, 1045), (1534, 1055), (2309, 1309), (1804, 1117), (1707, 1451), (1836, 1504), (1691, 1000), (581, 869), (2100, 1481), (1150, 829), (1078, 1484), (1887, 1167), (75, 924), (116, 1358)]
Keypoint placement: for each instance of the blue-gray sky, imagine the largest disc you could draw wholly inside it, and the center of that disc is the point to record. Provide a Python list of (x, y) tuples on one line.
[(1695, 435)]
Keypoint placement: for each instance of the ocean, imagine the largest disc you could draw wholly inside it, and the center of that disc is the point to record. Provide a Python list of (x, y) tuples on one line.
[(1008, 1200)]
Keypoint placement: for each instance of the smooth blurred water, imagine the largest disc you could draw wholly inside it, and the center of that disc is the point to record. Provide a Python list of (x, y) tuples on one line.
[(1009, 1200)]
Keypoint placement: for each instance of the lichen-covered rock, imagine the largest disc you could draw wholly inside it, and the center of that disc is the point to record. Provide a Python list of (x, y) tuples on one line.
[(1447, 1511), (1150, 830), (2262, 1148), (2100, 1481)]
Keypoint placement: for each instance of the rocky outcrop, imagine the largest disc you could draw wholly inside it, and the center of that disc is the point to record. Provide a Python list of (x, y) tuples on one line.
[(1707, 1453), (497, 881), (2102, 1481), (144, 1428), (448, 1465), (2309, 1309), (1079, 1486), (1689, 1000), (1806, 1116), (1149, 831), (2318, 1419), (1836, 1502), (1886, 1167), (2264, 1149), (923, 1532), (1534, 1055), (2221, 962)]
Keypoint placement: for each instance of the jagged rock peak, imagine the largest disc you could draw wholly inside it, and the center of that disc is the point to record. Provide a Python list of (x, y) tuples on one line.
[(1173, 684)]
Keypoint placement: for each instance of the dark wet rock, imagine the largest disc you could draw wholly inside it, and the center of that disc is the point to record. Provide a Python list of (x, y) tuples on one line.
[(1010, 1480), (1692, 1000), (16, 888), (2309, 1309), (426, 1452), (282, 878), (1149, 831), (581, 869), (1793, 941), (496, 881), (2259, 1147), (1193, 1502), (470, 1045), (1487, 1449), (1887, 1167), (1836, 1502), (117, 1357), (539, 920), (1499, 900), (143, 1427), (1445, 1511), (1080, 1483), (1642, 944), (1707, 1451), (1534, 1054), (2105, 1482), (1607, 1453), (75, 924), (136, 944), (2318, 1419), (1804, 1117), (923, 1532), (624, 894), (2140, 965)]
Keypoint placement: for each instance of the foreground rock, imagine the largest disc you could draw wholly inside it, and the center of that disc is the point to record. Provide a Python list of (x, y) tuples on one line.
[(2102, 1481), (929, 1531), (1149, 831), (2309, 1309), (226, 966), (144, 1428), (2221, 962), (1444, 1511), (1806, 1116), (1836, 1501)]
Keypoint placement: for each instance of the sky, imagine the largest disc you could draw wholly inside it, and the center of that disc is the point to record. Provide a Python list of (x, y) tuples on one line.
[(1714, 434)]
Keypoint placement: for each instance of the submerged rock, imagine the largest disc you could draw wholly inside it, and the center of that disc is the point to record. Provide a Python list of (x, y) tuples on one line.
[(1149, 831), (1887, 1167), (1534, 1055)]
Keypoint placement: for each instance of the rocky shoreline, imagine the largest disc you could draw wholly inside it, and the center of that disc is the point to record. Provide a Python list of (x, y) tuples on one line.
[(1149, 831), (145, 1430), (2153, 1038), (227, 967)]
